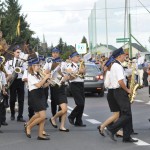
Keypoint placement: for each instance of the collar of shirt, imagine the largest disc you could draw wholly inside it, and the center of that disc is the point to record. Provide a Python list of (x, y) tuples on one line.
[(35, 72), (58, 59), (74, 64)]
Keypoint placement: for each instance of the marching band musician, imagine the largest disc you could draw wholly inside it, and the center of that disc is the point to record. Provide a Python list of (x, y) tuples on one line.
[(2, 91), (42, 63), (17, 86), (48, 68), (77, 90), (110, 98), (37, 99), (25, 80), (120, 93), (58, 95)]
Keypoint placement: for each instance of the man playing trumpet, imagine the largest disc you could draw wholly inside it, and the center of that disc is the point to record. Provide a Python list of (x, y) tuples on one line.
[(76, 84)]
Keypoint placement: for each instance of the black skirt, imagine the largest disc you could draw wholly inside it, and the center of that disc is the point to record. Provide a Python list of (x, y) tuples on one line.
[(113, 105), (58, 94), (37, 99)]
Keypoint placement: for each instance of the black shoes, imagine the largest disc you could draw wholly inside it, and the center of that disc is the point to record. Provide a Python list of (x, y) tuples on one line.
[(28, 135), (4, 123), (119, 136), (80, 125), (130, 140), (12, 118), (46, 134), (50, 120), (43, 138), (71, 120), (110, 134), (100, 132), (134, 133), (66, 130), (20, 120)]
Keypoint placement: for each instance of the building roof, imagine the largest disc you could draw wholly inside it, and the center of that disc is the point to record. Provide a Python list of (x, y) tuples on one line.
[(109, 46), (139, 47)]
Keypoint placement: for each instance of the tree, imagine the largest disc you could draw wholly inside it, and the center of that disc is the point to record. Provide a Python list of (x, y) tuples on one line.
[(9, 24), (2, 12), (84, 40), (61, 45)]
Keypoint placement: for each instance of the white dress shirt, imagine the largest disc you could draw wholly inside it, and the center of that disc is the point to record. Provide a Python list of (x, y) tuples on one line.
[(74, 67), (140, 60), (117, 74), (107, 82), (10, 66), (2, 79), (32, 80), (47, 66)]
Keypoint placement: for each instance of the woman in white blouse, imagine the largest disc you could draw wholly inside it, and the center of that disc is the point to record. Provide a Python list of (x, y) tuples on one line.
[(37, 99)]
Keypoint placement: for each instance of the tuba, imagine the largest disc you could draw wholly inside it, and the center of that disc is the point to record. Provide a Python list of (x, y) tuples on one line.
[(133, 86)]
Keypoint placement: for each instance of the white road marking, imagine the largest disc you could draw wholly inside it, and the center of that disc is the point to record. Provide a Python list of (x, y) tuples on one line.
[(140, 142), (140, 101), (93, 121), (85, 115), (148, 103), (70, 108), (49, 100), (69, 111)]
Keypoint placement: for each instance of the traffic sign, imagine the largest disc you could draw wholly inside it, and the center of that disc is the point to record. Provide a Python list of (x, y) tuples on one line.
[(81, 48), (121, 40)]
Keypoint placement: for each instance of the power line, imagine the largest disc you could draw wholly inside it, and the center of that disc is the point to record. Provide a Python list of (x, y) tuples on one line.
[(81, 9), (144, 6)]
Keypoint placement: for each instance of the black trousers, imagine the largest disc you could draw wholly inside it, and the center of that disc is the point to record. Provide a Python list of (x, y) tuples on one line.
[(53, 101), (17, 91), (46, 95), (77, 90), (1, 105), (125, 120), (30, 109)]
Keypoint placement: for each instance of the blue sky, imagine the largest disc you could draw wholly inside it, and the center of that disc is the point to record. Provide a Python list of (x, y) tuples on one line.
[(60, 18)]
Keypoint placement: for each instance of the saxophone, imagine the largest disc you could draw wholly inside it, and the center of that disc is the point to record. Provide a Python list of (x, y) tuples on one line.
[(133, 86), (81, 66)]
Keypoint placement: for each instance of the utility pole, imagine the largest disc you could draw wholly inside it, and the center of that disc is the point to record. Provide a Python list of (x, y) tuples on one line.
[(106, 23), (130, 41), (129, 26)]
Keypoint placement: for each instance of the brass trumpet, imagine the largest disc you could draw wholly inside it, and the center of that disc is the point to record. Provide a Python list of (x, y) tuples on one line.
[(3, 60), (42, 74)]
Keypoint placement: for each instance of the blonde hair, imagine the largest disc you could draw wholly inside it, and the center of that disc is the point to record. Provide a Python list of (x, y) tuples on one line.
[(30, 70)]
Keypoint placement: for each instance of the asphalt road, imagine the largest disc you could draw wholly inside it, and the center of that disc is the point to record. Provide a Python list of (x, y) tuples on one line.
[(79, 138)]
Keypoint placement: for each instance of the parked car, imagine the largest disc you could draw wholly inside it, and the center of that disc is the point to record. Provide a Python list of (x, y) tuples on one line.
[(93, 80)]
